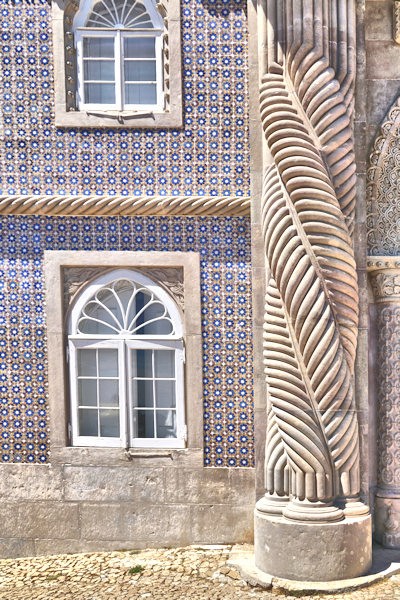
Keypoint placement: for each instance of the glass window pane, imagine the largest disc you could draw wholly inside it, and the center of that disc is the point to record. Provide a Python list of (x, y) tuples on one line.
[(164, 363), (166, 424), (108, 392), (109, 423), (140, 70), (96, 318), (143, 360), (145, 420), (135, 47), (165, 394), (144, 393), (98, 47), (140, 94), (99, 93), (87, 392), (88, 422), (98, 70), (87, 363), (108, 363)]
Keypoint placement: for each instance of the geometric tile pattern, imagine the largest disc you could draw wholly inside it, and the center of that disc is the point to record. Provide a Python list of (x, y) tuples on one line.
[(208, 156), (224, 247)]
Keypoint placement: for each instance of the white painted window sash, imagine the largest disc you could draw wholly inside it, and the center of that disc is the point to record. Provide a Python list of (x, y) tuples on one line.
[(119, 35), (180, 440), (99, 441)]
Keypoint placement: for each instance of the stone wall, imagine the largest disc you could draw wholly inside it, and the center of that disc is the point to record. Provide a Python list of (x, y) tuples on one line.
[(148, 502)]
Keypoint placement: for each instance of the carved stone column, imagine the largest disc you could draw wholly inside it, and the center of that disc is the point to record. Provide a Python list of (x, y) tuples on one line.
[(310, 524), (385, 278)]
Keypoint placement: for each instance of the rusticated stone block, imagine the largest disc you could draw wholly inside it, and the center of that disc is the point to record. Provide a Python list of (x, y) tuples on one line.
[(381, 95), (166, 525), (378, 20), (14, 548), (107, 484), (30, 482), (27, 520), (383, 60), (200, 486), (43, 547), (219, 524)]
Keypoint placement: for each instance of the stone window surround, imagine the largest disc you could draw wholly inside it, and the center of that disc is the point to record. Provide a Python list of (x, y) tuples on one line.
[(64, 58), (55, 263)]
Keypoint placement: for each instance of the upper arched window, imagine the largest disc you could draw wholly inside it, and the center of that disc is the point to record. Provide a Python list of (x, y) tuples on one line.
[(126, 364), (119, 55), (117, 63)]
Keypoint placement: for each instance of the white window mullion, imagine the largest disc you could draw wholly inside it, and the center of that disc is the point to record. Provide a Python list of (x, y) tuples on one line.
[(123, 395), (153, 372), (119, 65), (98, 392)]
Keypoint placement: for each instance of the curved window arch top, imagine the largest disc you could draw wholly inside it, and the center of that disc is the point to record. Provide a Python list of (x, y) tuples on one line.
[(118, 14), (125, 305), (119, 46)]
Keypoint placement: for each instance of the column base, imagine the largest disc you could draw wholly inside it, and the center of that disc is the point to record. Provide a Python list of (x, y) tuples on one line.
[(309, 551)]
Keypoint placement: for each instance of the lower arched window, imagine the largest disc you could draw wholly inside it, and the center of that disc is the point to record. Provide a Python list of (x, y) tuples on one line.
[(126, 355)]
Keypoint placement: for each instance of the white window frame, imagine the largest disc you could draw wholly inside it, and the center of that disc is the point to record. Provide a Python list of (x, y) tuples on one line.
[(68, 109), (124, 343), (119, 35)]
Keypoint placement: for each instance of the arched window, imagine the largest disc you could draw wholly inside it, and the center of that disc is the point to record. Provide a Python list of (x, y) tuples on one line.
[(126, 356), (117, 63), (119, 55)]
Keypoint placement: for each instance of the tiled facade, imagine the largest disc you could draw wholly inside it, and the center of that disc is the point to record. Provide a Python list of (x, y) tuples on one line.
[(208, 156), (224, 248)]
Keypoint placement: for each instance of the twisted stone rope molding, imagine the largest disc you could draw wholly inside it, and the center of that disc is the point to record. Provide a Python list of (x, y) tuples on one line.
[(125, 205), (382, 209), (307, 211)]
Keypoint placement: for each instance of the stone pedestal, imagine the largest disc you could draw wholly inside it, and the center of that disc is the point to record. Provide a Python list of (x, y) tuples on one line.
[(385, 278), (308, 551)]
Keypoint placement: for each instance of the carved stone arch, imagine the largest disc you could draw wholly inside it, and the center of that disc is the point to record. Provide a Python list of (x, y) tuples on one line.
[(383, 188)]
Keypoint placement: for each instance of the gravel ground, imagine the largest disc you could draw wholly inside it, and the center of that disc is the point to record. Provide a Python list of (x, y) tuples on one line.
[(192, 573)]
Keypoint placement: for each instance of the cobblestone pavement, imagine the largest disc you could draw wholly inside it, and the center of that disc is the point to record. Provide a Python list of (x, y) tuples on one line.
[(192, 573)]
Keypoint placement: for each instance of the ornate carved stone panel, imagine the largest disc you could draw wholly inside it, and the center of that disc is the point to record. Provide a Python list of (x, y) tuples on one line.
[(383, 188), (170, 278)]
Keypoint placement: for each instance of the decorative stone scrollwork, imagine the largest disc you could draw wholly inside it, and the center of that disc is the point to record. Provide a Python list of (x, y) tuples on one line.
[(170, 278), (383, 188), (311, 318), (308, 201)]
